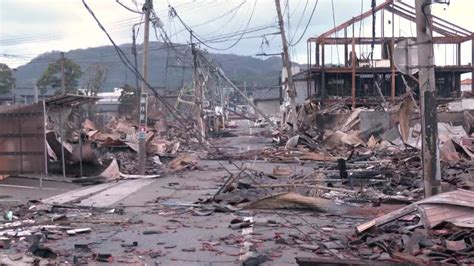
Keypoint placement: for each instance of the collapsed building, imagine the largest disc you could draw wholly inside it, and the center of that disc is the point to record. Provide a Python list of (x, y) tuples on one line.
[(372, 64)]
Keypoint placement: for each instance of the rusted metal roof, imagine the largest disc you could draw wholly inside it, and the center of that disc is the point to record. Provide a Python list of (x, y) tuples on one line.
[(456, 207)]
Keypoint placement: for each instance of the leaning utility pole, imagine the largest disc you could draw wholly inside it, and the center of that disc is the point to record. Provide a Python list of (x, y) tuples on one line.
[(134, 52), (63, 78), (429, 121), (287, 63), (143, 102), (198, 95)]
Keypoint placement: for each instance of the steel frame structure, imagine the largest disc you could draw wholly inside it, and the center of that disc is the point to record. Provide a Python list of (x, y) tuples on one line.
[(446, 33)]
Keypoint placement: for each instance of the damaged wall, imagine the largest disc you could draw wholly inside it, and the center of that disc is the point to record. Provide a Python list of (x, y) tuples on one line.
[(22, 139)]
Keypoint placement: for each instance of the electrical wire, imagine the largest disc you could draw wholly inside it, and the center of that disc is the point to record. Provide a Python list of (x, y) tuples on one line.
[(126, 7), (300, 20), (195, 36), (307, 24), (233, 11)]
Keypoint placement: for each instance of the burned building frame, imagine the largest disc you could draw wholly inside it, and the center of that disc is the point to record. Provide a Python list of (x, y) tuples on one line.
[(353, 80)]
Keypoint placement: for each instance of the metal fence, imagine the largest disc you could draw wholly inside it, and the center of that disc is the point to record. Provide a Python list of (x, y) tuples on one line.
[(23, 139)]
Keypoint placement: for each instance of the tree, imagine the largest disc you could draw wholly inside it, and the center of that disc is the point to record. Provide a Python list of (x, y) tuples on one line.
[(6, 78), (128, 100), (95, 76), (51, 78)]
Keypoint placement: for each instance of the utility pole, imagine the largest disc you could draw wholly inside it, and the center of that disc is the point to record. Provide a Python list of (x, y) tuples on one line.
[(287, 63), (143, 102), (134, 52), (63, 78), (14, 85), (429, 121), (198, 95)]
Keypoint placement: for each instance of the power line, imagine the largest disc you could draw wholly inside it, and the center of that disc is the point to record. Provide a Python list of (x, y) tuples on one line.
[(202, 42), (300, 20), (307, 25), (126, 7), (117, 25)]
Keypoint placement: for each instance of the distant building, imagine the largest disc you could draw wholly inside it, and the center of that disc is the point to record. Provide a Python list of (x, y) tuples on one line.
[(24, 96), (466, 85), (268, 99), (109, 101)]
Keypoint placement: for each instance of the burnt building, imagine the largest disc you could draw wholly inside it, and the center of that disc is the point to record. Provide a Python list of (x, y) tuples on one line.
[(366, 66)]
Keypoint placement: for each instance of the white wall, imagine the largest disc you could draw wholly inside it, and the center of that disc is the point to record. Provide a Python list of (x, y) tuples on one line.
[(270, 108), (466, 87)]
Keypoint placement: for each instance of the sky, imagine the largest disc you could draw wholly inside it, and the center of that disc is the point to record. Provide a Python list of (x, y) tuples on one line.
[(31, 27)]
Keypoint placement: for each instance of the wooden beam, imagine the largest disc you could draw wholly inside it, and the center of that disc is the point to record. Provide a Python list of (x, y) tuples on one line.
[(472, 62), (412, 17), (353, 60), (346, 49), (323, 74), (392, 65), (378, 40), (435, 19)]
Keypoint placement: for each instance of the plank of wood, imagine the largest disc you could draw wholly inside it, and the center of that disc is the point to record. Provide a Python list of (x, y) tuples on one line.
[(110, 196), (77, 194)]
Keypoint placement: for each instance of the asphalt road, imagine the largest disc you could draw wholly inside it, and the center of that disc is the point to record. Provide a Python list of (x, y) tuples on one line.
[(174, 234)]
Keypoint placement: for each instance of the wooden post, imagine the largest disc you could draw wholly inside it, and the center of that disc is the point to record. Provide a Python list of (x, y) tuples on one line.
[(392, 65), (63, 90), (458, 54), (353, 60), (317, 54), (308, 80), (427, 82), (472, 62), (346, 49), (323, 73), (63, 78)]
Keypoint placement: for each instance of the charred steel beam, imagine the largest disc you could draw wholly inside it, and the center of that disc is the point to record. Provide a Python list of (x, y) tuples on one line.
[(353, 20), (410, 16), (435, 19)]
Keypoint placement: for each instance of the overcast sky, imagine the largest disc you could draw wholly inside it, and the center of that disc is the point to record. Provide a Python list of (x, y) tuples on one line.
[(32, 27)]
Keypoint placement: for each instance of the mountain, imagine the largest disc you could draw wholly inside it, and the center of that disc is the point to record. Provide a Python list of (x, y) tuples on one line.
[(255, 71)]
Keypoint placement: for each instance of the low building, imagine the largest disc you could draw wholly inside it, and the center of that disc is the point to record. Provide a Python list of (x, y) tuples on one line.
[(109, 101), (466, 85), (268, 100)]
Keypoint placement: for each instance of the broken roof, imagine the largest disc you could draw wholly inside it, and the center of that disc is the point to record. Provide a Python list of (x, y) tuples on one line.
[(70, 100), (266, 94)]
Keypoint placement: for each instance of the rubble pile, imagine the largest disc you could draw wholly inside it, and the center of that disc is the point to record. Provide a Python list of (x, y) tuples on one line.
[(437, 229), (35, 227), (118, 140)]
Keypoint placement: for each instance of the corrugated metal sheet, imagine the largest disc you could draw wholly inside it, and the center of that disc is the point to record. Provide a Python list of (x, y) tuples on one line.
[(460, 197), (70, 100), (435, 214), (456, 207), (22, 139)]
